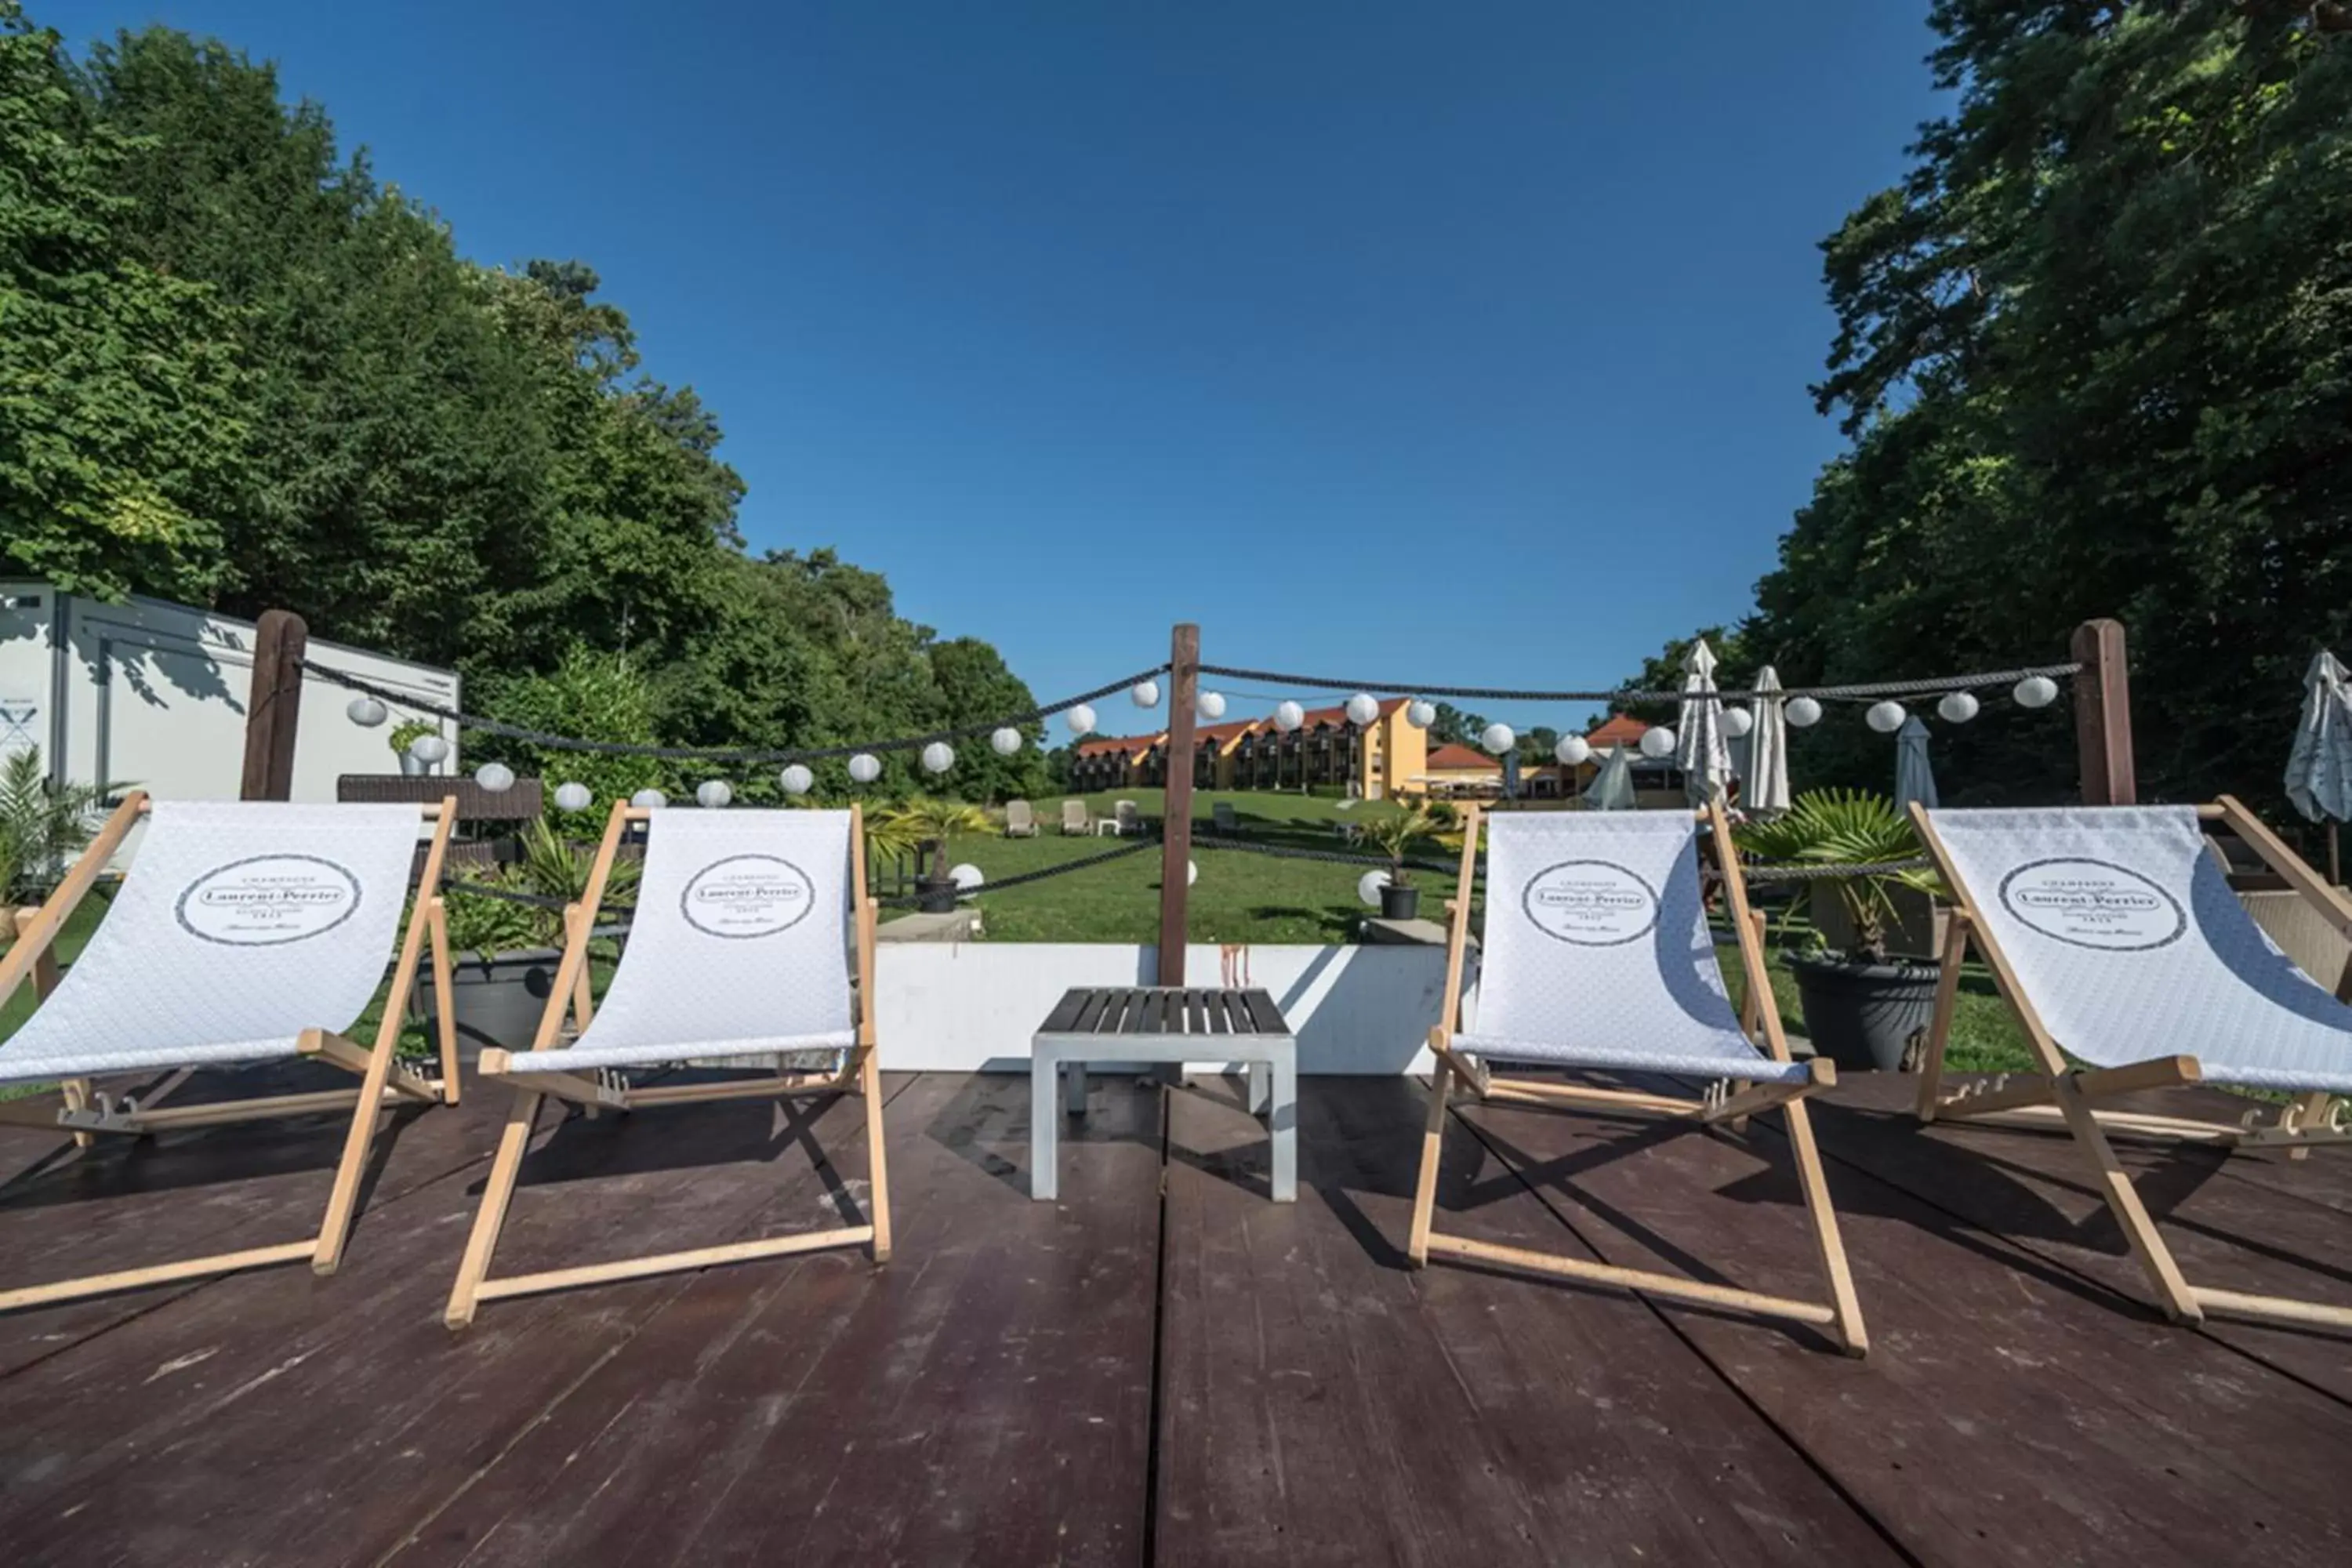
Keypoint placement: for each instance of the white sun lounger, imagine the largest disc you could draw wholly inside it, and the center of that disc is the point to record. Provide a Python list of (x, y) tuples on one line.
[(740, 945), (243, 932), (2114, 936), (1597, 955)]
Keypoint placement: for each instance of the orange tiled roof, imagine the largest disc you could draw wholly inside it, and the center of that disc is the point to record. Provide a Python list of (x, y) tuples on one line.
[(1455, 758)]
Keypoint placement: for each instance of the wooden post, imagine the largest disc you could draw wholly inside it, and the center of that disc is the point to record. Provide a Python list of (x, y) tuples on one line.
[(2103, 714), (1176, 817), (274, 709)]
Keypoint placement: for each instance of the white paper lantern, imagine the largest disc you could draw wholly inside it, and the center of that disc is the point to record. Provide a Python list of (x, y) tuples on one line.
[(1658, 743), (1081, 719), (648, 799), (938, 757), (796, 780), (1421, 715), (428, 748), (366, 713), (573, 797), (1886, 716), (1146, 693), (2036, 691), (966, 877), (1191, 873), (1802, 712), (1211, 706), (1498, 739), (1957, 708), (1005, 742), (1362, 709), (712, 793), (865, 768), (1573, 750), (496, 777), (1288, 716), (1369, 886), (1737, 722)]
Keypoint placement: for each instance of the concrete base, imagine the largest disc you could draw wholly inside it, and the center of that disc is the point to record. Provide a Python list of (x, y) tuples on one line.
[(957, 925), (1402, 933)]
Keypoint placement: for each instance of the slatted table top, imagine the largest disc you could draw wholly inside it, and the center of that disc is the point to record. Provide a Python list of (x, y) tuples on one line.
[(1164, 1010)]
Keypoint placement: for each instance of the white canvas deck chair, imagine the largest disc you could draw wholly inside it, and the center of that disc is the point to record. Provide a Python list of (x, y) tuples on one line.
[(2114, 936), (745, 925), (243, 932), (1597, 955)]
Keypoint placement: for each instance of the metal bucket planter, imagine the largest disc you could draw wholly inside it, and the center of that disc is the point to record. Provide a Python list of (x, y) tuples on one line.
[(1864, 1016), (498, 998)]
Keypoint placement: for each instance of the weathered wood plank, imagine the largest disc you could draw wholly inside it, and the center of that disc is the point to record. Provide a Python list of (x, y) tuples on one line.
[(1066, 1014)]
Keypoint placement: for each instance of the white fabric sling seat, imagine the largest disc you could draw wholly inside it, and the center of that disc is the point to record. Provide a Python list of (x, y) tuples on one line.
[(244, 934), (2114, 936), (1597, 955), (747, 926)]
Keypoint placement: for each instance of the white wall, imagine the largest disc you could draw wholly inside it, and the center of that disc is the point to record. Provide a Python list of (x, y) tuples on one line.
[(973, 1006)]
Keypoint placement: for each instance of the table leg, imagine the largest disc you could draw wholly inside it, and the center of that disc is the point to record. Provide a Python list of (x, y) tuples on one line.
[(1044, 1123), (1281, 1121), (1075, 1099), (1261, 1085)]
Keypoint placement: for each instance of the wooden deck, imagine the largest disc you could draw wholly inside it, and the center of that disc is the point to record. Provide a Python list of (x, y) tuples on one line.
[(1164, 1366)]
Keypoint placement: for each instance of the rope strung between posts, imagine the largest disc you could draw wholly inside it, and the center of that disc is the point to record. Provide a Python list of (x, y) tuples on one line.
[(909, 900), (1331, 857), (746, 756), (1815, 873), (1622, 697)]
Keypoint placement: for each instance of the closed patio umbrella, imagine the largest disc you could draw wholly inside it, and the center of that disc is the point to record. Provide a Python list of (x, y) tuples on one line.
[(1612, 787), (1913, 779), (1699, 747), (1767, 786), (2319, 768)]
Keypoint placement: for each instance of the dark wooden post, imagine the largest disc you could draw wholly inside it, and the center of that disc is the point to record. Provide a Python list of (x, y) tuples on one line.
[(2103, 714), (1176, 820), (273, 710)]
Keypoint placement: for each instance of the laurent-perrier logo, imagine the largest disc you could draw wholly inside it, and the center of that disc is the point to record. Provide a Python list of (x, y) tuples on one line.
[(746, 896), (2091, 903), (268, 901), (1592, 903)]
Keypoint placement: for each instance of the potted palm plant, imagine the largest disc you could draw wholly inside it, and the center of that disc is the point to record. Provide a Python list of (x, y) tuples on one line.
[(1397, 834), (923, 826), (1863, 1004), (42, 826)]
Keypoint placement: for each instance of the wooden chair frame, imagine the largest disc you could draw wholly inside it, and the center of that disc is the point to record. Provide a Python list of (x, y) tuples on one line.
[(383, 1083), (860, 1074), (1840, 1316), (2061, 1095)]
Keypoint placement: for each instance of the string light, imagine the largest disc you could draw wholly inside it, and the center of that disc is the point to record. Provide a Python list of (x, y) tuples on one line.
[(1005, 742), (1146, 693), (865, 768), (1958, 707), (1573, 750), (1498, 738), (428, 749), (573, 797), (2035, 691), (496, 777), (712, 793), (1737, 722), (1802, 712), (1421, 715), (366, 713), (797, 780), (1288, 716), (1658, 744), (1081, 719), (1362, 709), (649, 799), (1886, 716), (1211, 706), (938, 757)]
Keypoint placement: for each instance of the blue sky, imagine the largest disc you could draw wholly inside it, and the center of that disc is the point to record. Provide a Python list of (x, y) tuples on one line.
[(1461, 344)]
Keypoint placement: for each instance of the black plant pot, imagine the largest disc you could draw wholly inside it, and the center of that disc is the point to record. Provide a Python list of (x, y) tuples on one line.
[(1864, 1016), (1399, 903), (935, 895), (498, 998)]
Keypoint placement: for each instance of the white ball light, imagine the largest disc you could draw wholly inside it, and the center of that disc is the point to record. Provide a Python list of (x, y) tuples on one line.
[(966, 877), (1886, 716), (366, 713), (2036, 691), (938, 757), (1081, 719), (1803, 711), (1573, 750), (1362, 709), (428, 748), (1367, 888), (1498, 739), (1288, 716), (1658, 743), (1737, 722), (796, 780), (1957, 708), (1146, 693), (865, 768), (496, 777), (648, 799), (1421, 715), (1211, 706), (1005, 742), (573, 797), (713, 793), (1191, 873)]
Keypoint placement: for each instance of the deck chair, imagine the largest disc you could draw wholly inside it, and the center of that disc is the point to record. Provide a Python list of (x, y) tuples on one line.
[(1127, 817), (741, 946), (1075, 818), (244, 932), (2131, 965), (1597, 955), (1020, 821)]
